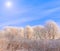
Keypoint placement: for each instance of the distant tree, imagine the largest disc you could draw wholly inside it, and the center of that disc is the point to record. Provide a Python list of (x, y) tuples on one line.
[(51, 29)]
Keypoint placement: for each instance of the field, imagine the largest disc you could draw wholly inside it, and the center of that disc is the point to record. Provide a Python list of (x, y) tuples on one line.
[(30, 45)]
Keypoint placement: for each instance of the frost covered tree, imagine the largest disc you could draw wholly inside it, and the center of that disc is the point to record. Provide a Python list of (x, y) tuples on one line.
[(39, 32), (11, 33), (2, 33), (11, 30), (28, 32), (21, 32), (51, 29)]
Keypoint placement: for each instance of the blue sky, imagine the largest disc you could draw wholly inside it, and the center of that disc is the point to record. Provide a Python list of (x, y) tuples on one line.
[(29, 12)]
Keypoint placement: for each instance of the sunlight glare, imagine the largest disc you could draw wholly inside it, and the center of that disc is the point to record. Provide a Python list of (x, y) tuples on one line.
[(8, 4)]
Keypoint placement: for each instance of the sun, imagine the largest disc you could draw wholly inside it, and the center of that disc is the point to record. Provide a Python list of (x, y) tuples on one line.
[(8, 4)]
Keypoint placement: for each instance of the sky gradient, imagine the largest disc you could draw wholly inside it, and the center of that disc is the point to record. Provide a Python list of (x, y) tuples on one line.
[(29, 12)]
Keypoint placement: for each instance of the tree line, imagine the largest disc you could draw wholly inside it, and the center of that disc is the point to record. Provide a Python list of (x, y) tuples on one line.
[(50, 30)]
